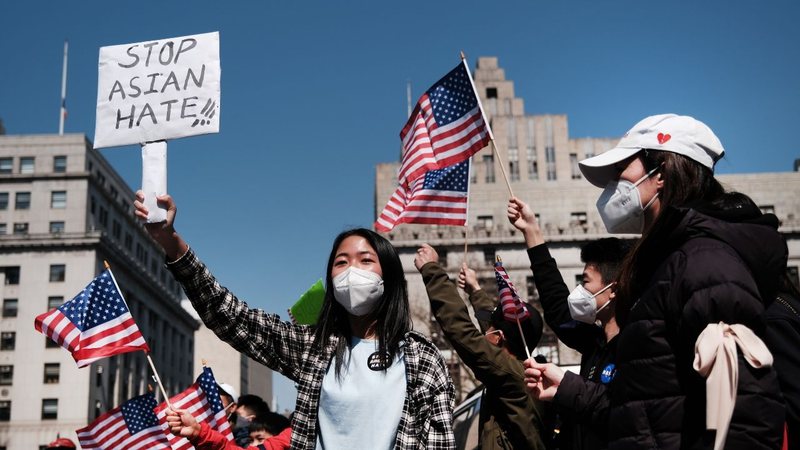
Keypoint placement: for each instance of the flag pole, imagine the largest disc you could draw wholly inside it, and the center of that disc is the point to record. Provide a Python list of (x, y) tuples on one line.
[(502, 166), (63, 109), (147, 354)]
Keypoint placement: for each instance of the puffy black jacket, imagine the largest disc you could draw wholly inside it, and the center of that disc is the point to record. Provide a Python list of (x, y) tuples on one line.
[(704, 270)]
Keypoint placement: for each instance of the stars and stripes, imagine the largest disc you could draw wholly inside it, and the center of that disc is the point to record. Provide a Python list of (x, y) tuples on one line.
[(130, 426), (202, 401), (513, 309), (95, 324), (439, 197), (447, 126)]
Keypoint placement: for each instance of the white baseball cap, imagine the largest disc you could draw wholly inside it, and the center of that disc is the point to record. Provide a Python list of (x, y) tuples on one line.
[(230, 390), (683, 135)]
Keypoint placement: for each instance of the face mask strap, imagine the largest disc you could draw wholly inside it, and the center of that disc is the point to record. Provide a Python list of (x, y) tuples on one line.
[(646, 176)]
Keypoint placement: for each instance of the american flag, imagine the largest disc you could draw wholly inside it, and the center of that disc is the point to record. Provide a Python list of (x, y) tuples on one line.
[(440, 197), (446, 127), (202, 400), (133, 425), (95, 324), (513, 309)]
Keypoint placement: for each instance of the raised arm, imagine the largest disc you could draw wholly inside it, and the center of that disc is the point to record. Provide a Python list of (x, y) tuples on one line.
[(264, 337)]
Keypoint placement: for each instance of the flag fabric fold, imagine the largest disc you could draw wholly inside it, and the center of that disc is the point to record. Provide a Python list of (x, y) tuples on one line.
[(439, 197), (130, 426), (95, 324), (447, 126), (513, 309), (202, 400)]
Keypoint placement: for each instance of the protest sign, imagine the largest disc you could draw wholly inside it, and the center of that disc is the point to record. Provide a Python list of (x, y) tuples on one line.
[(157, 90)]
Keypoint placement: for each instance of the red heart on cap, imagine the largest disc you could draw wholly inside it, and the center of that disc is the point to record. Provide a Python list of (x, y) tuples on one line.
[(663, 138)]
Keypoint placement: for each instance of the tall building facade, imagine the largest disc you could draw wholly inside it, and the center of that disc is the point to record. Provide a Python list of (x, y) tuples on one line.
[(63, 212), (541, 161)]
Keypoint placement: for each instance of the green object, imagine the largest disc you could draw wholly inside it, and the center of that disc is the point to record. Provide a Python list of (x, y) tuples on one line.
[(306, 310)]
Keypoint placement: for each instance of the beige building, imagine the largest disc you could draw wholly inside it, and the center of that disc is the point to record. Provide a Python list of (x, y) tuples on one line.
[(541, 161), (63, 211)]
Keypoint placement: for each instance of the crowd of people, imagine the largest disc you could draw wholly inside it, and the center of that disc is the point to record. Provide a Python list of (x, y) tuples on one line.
[(687, 334)]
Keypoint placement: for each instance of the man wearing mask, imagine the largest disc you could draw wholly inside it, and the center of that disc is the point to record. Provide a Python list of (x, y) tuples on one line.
[(584, 320)]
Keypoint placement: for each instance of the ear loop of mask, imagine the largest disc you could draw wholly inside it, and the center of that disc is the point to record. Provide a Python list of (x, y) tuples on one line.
[(600, 292), (640, 181)]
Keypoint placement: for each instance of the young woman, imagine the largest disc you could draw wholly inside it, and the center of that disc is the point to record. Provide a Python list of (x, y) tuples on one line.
[(698, 263), (364, 379)]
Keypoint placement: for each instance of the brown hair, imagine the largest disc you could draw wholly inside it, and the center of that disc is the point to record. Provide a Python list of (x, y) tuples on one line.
[(686, 182)]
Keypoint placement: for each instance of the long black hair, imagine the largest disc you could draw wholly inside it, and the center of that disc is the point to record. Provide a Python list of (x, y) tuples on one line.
[(686, 183), (392, 315)]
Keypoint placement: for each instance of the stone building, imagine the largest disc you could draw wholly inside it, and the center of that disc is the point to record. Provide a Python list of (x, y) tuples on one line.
[(63, 212), (541, 161)]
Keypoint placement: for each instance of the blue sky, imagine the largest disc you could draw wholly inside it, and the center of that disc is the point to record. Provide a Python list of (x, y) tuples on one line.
[(313, 97)]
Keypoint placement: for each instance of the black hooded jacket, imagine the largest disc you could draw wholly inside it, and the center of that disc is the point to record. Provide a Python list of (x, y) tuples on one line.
[(699, 270)]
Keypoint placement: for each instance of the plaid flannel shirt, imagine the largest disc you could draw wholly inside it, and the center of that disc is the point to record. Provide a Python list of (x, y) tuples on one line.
[(426, 422)]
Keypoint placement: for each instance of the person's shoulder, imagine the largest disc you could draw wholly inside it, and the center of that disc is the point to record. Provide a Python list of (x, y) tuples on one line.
[(421, 344)]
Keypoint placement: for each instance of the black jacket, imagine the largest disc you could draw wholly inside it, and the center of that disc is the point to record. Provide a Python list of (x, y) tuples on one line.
[(704, 270), (582, 406), (783, 340)]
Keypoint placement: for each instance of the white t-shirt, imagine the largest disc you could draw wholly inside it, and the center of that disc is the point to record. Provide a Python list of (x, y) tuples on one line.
[(361, 409)]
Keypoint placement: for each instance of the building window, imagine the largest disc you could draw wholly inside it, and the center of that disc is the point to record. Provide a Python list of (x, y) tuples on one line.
[(58, 272), (488, 164), (49, 408), (12, 275), (103, 217), (491, 92), (550, 158), (57, 227), (8, 340), (49, 343), (533, 293), (116, 229), (51, 373), (59, 164), (92, 205), (6, 165), (579, 218), (513, 164), (58, 199), (21, 228), (5, 410), (6, 375), (54, 302), (10, 306), (573, 163), (114, 192), (26, 165), (485, 222), (128, 241), (3, 229), (3, 200), (489, 254), (23, 200)]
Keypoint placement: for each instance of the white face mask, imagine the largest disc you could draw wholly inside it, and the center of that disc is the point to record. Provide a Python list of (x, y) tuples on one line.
[(583, 304), (621, 208), (358, 290)]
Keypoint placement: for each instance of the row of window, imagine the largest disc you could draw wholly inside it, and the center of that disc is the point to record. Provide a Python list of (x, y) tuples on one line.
[(22, 200), (27, 164), (21, 228), (52, 374), (57, 273), (49, 409), (533, 166), (11, 305)]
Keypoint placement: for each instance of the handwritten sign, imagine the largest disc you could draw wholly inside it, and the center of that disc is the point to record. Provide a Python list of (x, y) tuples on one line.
[(156, 90)]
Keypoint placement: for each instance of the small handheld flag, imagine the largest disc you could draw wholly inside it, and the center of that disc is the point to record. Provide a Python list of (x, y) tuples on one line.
[(513, 309), (95, 324), (132, 425), (202, 400)]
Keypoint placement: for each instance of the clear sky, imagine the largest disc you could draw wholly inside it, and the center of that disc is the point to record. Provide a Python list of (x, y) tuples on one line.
[(313, 97)]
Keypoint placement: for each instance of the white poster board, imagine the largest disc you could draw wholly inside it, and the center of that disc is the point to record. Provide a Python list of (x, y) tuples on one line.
[(158, 90)]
